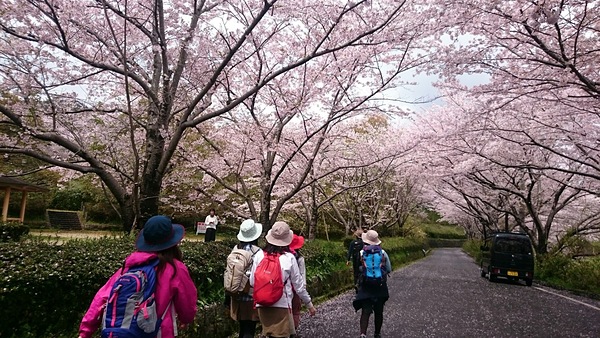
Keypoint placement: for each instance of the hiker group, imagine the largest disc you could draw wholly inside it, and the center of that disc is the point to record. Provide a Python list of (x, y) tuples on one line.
[(267, 285), (153, 295)]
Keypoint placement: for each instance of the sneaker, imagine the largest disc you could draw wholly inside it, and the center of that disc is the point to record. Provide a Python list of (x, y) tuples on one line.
[(377, 336), (363, 336)]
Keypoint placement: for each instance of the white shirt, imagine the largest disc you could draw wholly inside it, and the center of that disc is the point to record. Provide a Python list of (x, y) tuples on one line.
[(211, 221), (302, 267), (291, 276)]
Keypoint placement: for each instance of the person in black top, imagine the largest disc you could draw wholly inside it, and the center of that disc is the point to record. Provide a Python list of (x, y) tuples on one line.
[(354, 255)]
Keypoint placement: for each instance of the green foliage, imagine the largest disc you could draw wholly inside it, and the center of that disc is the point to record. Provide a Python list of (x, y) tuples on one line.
[(472, 248), (70, 199), (60, 280), (12, 232), (84, 193), (206, 263), (438, 230), (323, 257), (582, 275), (596, 247), (48, 285)]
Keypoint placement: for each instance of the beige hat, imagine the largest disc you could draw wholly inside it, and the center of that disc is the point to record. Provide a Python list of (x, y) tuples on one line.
[(280, 234), (371, 237)]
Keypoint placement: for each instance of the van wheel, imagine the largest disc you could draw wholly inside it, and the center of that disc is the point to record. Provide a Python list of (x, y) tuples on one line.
[(492, 277), (529, 281)]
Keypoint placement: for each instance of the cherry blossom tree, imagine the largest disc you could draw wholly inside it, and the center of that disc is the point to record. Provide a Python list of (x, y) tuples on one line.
[(536, 48), (112, 88), (368, 187), (488, 169), (525, 140), (256, 168)]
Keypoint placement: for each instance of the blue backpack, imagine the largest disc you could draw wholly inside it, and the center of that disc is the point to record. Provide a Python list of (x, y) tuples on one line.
[(131, 308), (373, 266)]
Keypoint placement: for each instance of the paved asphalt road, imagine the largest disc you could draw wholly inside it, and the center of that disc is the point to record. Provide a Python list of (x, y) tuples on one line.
[(443, 295)]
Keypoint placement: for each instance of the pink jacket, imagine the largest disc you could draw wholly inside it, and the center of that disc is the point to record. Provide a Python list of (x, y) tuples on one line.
[(179, 288)]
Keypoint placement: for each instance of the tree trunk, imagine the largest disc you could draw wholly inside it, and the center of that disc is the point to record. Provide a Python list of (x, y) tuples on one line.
[(128, 216), (265, 207), (542, 244), (313, 217), (149, 199), (152, 177)]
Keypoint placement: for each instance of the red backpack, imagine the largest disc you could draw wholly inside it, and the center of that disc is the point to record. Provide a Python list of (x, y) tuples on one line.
[(268, 281)]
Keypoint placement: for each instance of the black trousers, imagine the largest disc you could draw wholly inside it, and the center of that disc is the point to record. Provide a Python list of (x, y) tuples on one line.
[(357, 272), (210, 235)]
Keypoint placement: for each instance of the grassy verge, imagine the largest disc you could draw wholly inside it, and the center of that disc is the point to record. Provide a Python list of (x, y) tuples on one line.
[(445, 231), (581, 276)]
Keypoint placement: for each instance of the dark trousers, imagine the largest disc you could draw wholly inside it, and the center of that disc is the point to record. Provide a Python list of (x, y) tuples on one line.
[(210, 235), (375, 307), (247, 329), (357, 272)]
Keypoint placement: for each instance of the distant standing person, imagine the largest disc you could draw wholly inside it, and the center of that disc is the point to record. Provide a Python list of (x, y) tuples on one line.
[(354, 255), (211, 223), (372, 290)]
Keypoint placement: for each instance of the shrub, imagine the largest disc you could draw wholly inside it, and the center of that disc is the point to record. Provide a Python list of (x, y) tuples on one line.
[(582, 275), (12, 232), (472, 248), (47, 286)]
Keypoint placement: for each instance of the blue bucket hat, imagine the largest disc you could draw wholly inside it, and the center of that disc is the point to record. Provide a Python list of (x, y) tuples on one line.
[(158, 234)]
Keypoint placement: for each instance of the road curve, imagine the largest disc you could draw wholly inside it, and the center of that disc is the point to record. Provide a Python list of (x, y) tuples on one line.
[(444, 296)]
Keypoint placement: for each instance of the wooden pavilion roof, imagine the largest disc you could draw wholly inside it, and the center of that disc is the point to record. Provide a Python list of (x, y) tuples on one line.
[(20, 185)]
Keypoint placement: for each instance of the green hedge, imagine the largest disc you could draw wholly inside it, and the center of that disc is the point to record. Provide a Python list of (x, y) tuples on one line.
[(12, 232), (46, 286)]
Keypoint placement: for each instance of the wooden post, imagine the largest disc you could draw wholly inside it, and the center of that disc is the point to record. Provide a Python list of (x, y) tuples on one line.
[(5, 205), (23, 204)]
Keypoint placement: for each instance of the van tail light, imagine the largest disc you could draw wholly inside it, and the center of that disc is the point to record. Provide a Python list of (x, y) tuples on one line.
[(528, 274), (496, 271)]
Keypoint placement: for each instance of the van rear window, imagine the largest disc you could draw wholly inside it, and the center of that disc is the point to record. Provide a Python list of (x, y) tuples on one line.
[(513, 246)]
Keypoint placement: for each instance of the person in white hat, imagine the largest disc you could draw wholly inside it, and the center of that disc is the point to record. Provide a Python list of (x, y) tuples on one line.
[(241, 307), (372, 290), (276, 319)]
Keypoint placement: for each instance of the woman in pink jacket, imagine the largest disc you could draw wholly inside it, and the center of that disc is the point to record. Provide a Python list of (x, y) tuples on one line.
[(175, 293)]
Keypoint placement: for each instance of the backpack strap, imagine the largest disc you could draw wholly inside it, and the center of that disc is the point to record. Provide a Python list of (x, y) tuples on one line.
[(173, 317)]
